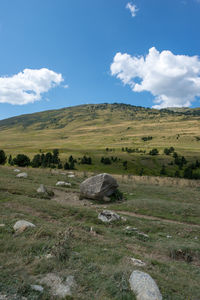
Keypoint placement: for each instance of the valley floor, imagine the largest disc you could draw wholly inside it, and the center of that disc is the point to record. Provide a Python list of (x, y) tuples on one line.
[(98, 255)]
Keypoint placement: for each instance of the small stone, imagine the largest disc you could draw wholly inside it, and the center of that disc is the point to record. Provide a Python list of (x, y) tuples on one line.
[(71, 176), (16, 170), (48, 256), (129, 228), (144, 287), (108, 216), (63, 183), (22, 175), (37, 288), (2, 225), (138, 262), (22, 225), (169, 236), (42, 189)]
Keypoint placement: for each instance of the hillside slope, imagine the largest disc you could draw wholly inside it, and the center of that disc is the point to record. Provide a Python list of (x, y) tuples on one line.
[(90, 129)]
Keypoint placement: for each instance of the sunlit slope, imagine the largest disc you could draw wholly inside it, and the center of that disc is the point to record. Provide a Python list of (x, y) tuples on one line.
[(95, 127)]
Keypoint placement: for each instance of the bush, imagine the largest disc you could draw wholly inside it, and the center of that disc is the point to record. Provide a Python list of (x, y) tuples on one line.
[(154, 152), (36, 161), (22, 160), (2, 157), (106, 161)]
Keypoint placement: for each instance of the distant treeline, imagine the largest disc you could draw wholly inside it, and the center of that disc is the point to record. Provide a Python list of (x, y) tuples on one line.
[(183, 169)]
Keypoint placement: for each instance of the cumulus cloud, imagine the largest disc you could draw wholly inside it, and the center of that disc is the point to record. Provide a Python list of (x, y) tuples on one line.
[(27, 86), (133, 9), (174, 80)]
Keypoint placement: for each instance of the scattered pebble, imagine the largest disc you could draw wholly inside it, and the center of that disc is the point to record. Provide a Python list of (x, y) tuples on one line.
[(37, 288), (138, 262), (169, 236), (63, 183)]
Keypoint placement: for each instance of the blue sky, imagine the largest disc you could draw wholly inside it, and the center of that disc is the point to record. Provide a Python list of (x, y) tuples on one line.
[(71, 45)]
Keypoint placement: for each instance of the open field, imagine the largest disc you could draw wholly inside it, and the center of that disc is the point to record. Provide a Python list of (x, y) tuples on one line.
[(90, 129), (99, 259)]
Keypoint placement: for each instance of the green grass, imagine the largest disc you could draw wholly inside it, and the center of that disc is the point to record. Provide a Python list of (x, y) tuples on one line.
[(100, 263)]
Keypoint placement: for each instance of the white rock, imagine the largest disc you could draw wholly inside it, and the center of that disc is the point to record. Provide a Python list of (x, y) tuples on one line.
[(144, 287), (42, 189), (129, 228), (37, 288), (59, 288), (108, 216), (48, 256), (22, 224), (138, 262), (16, 170), (71, 175), (22, 175), (169, 236), (2, 225), (63, 183)]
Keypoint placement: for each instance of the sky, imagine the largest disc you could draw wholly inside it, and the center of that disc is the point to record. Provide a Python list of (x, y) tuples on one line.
[(60, 53)]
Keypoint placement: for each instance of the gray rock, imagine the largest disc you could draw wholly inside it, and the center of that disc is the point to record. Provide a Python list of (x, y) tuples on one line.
[(108, 216), (42, 189), (22, 225), (22, 175), (98, 187), (16, 170), (63, 183), (37, 288), (71, 175), (137, 262), (2, 225), (58, 287), (144, 287)]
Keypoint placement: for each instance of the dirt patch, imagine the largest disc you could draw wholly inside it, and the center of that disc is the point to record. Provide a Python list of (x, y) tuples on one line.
[(70, 198)]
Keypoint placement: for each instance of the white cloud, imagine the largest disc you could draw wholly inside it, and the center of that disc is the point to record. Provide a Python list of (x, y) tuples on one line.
[(174, 80), (133, 9), (27, 86)]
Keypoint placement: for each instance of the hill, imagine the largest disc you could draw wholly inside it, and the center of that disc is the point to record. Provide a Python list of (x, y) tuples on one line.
[(91, 129)]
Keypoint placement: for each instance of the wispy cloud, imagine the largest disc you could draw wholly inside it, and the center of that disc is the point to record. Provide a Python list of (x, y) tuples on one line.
[(133, 9), (27, 86), (174, 80)]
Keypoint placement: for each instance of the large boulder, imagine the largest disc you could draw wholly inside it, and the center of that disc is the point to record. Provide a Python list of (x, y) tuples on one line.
[(98, 187), (144, 287)]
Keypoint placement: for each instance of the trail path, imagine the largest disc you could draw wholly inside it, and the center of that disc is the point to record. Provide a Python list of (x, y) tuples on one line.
[(72, 198)]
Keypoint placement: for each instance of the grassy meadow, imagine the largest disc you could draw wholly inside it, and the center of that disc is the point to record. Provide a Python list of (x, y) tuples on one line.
[(90, 129), (98, 258)]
